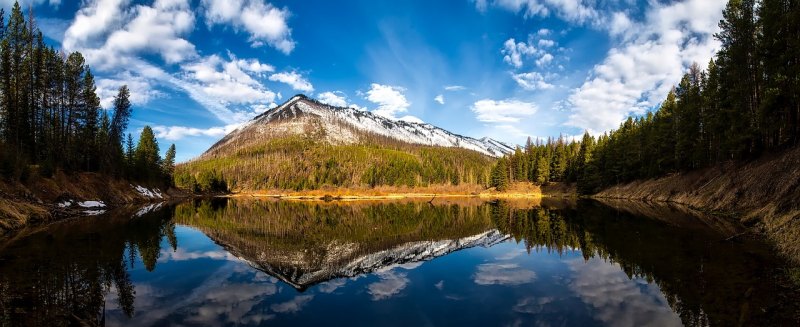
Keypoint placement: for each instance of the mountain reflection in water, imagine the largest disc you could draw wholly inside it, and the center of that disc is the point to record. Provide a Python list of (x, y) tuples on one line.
[(251, 262)]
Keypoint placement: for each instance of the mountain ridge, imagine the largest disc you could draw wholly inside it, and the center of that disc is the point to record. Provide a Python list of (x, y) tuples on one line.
[(342, 125)]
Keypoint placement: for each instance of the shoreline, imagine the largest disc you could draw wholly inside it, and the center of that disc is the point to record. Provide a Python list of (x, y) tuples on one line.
[(390, 196)]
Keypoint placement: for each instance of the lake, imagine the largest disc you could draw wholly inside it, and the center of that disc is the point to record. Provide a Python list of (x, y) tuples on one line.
[(395, 263)]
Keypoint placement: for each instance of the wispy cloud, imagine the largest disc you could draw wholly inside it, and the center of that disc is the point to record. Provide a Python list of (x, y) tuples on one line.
[(502, 111)]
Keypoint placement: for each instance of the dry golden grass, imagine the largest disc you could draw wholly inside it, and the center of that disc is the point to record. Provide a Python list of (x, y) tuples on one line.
[(518, 190)]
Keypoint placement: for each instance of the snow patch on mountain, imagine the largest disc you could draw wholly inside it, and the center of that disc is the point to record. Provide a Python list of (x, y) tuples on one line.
[(410, 132), (407, 256)]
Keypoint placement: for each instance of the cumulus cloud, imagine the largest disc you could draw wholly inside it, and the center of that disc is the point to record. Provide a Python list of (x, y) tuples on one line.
[(226, 81), (116, 35), (439, 99), (390, 100), (545, 43), (293, 79), (503, 274), (264, 22), (514, 52), (93, 20), (155, 29), (650, 58), (502, 111)]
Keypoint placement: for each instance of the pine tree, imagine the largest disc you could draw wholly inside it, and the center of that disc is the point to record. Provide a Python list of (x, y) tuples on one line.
[(147, 158), (500, 175), (168, 165)]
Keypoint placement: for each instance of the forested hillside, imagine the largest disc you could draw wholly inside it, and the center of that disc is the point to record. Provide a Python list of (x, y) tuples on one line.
[(745, 103), (51, 118), (308, 162), (307, 145)]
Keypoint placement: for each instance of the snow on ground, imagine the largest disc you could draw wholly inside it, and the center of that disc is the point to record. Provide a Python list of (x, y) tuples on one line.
[(92, 204), (65, 204), (152, 194)]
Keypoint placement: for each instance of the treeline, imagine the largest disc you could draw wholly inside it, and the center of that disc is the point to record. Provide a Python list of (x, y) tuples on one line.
[(51, 118), (540, 163), (746, 102)]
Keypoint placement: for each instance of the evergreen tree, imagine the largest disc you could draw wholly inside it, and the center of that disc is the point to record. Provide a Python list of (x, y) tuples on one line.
[(168, 165), (500, 175), (147, 158)]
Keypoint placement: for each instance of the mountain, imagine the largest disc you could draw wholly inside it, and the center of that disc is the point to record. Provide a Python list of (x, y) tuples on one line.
[(305, 144), (341, 125), (307, 243), (341, 261)]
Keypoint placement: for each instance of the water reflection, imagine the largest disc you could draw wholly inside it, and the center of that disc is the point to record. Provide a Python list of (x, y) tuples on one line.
[(60, 276), (249, 262)]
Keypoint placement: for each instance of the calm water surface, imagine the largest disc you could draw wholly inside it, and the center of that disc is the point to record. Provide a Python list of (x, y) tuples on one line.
[(260, 262)]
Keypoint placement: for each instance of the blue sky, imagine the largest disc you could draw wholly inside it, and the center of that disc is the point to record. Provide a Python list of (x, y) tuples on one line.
[(507, 69)]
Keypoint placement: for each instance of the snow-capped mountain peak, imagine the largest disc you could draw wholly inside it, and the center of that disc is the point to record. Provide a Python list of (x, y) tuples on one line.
[(344, 125)]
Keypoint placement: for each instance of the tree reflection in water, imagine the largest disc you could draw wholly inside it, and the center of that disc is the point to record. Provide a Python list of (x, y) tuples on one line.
[(61, 275), (67, 273)]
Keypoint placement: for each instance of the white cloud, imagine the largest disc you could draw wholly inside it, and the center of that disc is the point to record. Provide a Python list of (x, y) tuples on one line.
[(390, 100), (502, 111), (141, 90), (335, 98), (544, 60), (545, 43), (503, 274), (155, 29), (116, 36), (293, 79), (650, 59), (532, 81), (574, 11), (93, 20), (544, 32), (513, 52), (439, 98), (174, 133), (251, 65), (263, 21), (225, 81), (454, 88)]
